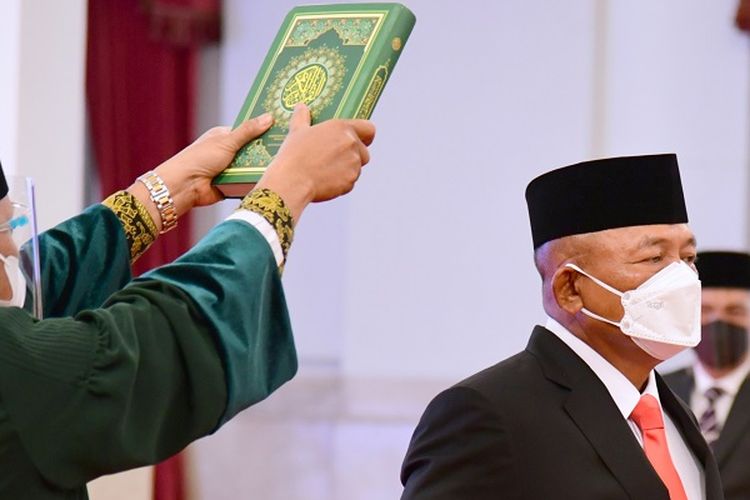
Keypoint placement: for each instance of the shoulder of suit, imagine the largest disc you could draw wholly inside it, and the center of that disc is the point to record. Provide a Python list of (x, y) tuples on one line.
[(678, 375), (507, 380)]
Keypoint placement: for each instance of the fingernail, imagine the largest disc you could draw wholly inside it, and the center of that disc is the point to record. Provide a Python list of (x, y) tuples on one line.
[(265, 119), (299, 106)]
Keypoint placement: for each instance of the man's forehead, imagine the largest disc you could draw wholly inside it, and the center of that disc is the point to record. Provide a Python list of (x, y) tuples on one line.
[(725, 295), (685, 239), (638, 237)]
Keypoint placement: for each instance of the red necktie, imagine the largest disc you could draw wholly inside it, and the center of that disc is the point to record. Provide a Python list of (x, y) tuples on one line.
[(647, 416)]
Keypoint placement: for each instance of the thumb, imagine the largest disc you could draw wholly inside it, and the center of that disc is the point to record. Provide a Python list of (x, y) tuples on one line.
[(214, 132), (300, 118), (249, 130)]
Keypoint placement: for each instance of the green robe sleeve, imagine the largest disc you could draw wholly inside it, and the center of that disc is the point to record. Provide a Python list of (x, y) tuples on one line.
[(163, 362), (110, 389), (83, 261), (236, 284)]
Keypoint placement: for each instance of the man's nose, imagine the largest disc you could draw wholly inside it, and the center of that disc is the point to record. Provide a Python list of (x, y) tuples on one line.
[(710, 316)]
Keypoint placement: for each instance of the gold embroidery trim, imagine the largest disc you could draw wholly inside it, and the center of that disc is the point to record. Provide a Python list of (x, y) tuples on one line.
[(271, 207), (139, 227)]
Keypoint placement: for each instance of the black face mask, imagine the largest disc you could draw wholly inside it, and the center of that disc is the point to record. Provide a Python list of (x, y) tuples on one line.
[(722, 345)]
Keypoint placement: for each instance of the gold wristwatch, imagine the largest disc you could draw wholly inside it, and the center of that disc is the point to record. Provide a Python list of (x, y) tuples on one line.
[(160, 196)]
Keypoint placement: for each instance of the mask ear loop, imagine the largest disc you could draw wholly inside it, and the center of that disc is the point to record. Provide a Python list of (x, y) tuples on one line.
[(595, 280), (602, 284)]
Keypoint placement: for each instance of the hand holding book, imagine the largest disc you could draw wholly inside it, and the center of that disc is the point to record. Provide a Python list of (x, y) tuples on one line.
[(189, 173), (318, 162), (314, 163)]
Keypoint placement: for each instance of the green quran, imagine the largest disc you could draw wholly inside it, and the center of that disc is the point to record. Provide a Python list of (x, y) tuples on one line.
[(335, 58)]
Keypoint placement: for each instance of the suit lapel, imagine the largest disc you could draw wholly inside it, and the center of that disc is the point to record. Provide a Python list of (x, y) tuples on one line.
[(613, 440), (681, 382), (737, 424), (594, 412)]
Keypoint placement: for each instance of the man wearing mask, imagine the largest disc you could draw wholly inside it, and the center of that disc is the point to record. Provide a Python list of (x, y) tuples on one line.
[(581, 414), (716, 385), (122, 373)]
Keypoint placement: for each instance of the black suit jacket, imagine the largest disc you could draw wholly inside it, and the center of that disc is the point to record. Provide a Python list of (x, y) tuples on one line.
[(538, 426), (732, 449)]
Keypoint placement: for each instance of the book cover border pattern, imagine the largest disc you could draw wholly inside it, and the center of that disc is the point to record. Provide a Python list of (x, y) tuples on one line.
[(301, 30)]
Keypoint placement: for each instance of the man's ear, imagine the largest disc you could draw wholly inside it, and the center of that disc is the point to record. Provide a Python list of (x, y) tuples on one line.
[(565, 288)]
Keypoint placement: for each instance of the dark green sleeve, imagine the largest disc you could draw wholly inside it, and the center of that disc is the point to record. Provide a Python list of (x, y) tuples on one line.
[(232, 277), (113, 388), (164, 361), (83, 261)]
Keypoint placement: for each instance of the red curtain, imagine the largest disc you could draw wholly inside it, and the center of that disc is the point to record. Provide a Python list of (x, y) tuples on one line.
[(140, 86), (141, 72), (742, 18), (169, 479)]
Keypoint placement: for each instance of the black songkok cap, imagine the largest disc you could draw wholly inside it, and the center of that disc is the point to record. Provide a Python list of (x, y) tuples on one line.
[(605, 194), (724, 269), (3, 184)]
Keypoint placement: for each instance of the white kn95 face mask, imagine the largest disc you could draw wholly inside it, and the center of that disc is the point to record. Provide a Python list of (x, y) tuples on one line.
[(663, 315), (16, 281)]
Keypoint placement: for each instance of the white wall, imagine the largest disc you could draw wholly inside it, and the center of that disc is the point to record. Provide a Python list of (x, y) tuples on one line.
[(441, 281), (426, 270), (42, 52), (678, 79), (10, 39)]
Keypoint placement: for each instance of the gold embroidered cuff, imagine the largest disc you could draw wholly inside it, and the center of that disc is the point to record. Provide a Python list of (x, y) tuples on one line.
[(140, 230), (271, 207)]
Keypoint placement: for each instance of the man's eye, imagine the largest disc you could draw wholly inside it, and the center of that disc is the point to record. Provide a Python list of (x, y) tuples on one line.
[(690, 259), (654, 259)]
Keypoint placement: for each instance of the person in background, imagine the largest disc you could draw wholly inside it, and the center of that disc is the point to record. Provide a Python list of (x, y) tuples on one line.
[(581, 414), (125, 372), (716, 384)]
